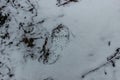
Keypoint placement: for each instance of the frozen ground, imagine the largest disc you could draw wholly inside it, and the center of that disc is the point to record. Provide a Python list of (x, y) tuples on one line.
[(52, 40)]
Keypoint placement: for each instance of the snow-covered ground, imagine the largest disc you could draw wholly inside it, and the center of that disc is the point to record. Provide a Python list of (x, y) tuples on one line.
[(89, 35)]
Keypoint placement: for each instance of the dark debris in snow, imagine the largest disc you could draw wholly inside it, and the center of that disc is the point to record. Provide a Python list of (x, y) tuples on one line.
[(21, 31)]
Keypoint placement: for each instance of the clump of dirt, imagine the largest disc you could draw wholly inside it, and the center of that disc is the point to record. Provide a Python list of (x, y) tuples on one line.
[(28, 41), (3, 18)]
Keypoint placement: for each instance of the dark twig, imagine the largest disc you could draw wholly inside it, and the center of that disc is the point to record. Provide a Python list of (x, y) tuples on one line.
[(66, 2), (110, 59)]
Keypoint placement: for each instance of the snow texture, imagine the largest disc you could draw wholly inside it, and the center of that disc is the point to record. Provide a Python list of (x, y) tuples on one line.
[(59, 39)]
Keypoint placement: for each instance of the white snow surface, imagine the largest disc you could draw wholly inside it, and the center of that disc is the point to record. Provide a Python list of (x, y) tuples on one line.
[(92, 24)]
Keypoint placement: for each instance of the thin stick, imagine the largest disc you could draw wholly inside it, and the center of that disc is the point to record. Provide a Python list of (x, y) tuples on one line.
[(110, 59)]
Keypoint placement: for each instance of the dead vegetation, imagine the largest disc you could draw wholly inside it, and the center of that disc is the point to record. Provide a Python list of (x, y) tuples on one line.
[(110, 60), (64, 2)]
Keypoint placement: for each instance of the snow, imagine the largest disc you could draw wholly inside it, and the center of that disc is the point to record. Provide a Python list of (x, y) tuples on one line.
[(91, 24)]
